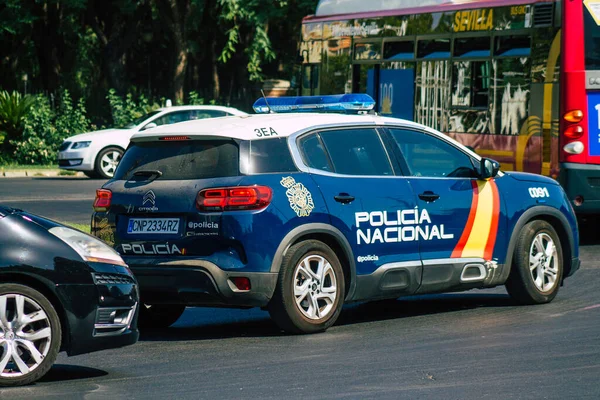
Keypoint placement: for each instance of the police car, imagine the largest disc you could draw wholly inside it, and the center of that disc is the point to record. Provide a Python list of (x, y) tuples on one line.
[(300, 212)]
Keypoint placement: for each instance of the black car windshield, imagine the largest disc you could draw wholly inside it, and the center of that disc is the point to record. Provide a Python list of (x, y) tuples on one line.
[(139, 120), (180, 160)]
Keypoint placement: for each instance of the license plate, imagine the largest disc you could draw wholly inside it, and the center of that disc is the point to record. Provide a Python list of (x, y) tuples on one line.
[(153, 225)]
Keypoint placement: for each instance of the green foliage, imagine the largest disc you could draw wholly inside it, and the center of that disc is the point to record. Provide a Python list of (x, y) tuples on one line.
[(13, 109), (46, 127), (125, 110)]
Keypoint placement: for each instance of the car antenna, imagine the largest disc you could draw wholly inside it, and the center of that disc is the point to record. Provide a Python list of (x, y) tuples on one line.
[(266, 102)]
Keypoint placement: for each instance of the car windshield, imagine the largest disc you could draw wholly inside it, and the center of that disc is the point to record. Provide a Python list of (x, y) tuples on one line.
[(139, 120)]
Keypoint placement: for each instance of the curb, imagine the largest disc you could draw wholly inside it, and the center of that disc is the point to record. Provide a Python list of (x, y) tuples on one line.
[(38, 173)]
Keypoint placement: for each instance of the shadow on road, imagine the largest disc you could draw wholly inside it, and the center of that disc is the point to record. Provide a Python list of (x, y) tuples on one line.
[(358, 313), (588, 231), (421, 305), (60, 373)]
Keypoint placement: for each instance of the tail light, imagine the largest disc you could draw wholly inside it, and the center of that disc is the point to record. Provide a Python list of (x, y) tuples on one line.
[(234, 198), (574, 132), (103, 199), (574, 148)]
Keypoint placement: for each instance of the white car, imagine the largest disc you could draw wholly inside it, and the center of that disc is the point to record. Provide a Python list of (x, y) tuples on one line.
[(98, 153)]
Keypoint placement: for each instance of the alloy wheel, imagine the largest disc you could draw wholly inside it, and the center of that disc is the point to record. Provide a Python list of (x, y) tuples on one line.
[(543, 262), (25, 335), (315, 287)]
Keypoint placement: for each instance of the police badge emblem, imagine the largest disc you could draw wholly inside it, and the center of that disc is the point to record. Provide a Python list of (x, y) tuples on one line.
[(299, 197)]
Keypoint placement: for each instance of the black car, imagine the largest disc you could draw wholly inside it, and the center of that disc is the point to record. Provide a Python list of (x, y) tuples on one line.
[(60, 290)]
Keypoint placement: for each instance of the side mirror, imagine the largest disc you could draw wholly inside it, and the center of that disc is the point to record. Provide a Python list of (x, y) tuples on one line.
[(149, 126), (488, 168)]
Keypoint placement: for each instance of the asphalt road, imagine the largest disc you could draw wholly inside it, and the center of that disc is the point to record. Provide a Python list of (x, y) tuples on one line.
[(61, 199), (473, 345)]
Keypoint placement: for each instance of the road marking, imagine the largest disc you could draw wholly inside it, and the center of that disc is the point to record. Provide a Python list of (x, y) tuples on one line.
[(576, 310)]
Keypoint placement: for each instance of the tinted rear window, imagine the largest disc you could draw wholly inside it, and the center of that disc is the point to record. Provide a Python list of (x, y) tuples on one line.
[(181, 160)]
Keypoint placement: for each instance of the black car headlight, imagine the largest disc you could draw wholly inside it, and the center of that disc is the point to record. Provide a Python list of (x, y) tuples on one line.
[(88, 247)]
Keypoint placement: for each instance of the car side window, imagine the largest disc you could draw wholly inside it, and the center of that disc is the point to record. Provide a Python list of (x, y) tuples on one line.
[(357, 152), (202, 114), (428, 156), (172, 118), (313, 153)]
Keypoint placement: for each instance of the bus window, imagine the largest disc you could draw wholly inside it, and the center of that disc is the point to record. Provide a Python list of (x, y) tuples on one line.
[(472, 47), (435, 48), (512, 46), (402, 50), (592, 41), (367, 51), (470, 84)]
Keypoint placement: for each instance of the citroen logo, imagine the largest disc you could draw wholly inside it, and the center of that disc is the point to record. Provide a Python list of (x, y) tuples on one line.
[(149, 197)]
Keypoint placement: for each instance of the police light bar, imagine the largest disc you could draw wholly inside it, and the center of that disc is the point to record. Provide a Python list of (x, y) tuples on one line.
[(340, 103)]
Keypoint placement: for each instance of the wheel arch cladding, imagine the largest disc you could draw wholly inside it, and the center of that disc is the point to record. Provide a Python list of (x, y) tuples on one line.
[(560, 224), (329, 235), (40, 286)]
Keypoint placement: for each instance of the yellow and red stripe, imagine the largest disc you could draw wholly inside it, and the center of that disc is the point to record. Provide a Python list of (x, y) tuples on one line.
[(479, 236)]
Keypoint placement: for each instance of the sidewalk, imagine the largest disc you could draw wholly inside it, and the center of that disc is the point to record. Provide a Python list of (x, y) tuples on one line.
[(38, 172)]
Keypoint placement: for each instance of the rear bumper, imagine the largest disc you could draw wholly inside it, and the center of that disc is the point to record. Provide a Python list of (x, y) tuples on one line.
[(582, 180), (198, 283)]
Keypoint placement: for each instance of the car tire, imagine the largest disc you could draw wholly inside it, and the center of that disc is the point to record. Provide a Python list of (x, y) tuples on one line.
[(537, 267), (107, 161), (158, 316), (34, 337), (310, 289)]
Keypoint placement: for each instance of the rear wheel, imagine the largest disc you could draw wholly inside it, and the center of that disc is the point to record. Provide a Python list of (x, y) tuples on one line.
[(30, 335), (159, 315), (537, 265), (107, 161), (310, 290)]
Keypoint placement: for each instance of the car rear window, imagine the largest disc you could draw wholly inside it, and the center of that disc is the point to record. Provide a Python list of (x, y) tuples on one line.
[(181, 160)]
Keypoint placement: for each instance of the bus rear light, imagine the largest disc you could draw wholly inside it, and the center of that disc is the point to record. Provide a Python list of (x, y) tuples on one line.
[(574, 132), (578, 201), (574, 148), (103, 200), (573, 116), (234, 198)]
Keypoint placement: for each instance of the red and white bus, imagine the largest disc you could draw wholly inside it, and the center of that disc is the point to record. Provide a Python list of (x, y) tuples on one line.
[(517, 80)]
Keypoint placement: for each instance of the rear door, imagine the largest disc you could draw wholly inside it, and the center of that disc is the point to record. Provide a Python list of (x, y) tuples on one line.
[(368, 202)]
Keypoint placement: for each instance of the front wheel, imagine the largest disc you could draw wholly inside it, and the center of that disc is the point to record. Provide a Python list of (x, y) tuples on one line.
[(159, 315), (537, 265), (310, 290), (30, 335)]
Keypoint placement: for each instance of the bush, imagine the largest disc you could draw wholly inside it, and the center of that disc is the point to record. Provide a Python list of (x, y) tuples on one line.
[(125, 110), (13, 111), (46, 128)]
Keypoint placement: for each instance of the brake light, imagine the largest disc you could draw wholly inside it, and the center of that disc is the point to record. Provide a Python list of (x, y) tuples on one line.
[(234, 198), (174, 138), (103, 199), (574, 132), (574, 116)]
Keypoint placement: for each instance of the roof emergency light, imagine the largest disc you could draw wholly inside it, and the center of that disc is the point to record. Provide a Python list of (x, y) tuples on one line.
[(354, 103)]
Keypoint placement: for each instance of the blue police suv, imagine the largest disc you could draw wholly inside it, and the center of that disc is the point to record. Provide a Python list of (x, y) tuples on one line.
[(300, 212)]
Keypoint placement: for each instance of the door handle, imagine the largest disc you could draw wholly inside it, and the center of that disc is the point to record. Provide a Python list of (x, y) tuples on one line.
[(429, 196), (344, 198)]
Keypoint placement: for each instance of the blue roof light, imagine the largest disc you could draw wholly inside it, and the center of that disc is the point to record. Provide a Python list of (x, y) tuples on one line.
[(339, 103)]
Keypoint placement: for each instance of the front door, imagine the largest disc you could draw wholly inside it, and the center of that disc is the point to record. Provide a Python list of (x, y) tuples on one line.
[(460, 215)]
